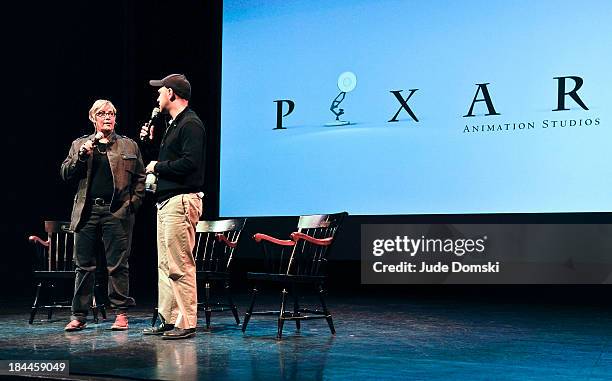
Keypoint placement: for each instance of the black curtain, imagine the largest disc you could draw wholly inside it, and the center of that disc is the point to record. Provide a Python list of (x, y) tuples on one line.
[(61, 57)]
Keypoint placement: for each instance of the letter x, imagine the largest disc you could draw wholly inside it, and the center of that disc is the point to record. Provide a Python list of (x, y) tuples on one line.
[(404, 104)]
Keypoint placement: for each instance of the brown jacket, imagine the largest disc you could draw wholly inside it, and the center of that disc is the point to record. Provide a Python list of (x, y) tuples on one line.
[(128, 177)]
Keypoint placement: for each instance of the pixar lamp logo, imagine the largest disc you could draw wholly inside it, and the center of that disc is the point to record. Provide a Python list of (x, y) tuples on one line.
[(347, 82)]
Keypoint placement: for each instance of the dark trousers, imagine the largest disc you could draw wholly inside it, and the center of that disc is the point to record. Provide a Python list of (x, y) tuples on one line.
[(116, 234)]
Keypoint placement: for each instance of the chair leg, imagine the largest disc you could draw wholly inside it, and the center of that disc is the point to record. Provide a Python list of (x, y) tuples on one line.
[(102, 311), (230, 301), (207, 308), (281, 314), (328, 316), (296, 310), (155, 316), (247, 315), (52, 299), (35, 305), (99, 293), (94, 311)]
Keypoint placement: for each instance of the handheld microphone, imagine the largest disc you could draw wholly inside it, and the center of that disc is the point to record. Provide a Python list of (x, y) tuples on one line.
[(154, 115), (99, 135)]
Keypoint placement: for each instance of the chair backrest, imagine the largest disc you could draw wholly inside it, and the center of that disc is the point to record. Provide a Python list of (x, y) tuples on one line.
[(56, 253), (314, 239), (216, 242)]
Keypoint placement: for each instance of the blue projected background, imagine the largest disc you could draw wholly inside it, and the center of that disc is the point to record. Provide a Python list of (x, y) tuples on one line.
[(527, 159)]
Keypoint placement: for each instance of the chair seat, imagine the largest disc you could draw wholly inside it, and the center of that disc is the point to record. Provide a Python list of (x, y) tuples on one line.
[(212, 275), (54, 274), (286, 278)]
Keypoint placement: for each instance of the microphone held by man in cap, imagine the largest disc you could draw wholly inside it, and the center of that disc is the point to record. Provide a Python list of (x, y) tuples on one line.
[(146, 132)]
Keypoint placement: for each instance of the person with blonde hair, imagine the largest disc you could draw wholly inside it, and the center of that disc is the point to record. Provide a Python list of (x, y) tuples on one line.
[(110, 174)]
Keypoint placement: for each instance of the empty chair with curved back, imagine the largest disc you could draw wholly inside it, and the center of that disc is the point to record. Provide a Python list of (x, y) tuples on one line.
[(297, 264), (216, 242), (54, 263)]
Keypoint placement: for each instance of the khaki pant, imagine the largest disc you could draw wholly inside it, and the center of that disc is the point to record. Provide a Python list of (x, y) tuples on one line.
[(176, 221)]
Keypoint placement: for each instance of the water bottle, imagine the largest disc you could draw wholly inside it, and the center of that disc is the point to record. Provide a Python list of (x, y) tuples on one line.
[(151, 183)]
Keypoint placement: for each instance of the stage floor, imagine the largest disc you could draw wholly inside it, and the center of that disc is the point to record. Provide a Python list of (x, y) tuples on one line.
[(377, 338)]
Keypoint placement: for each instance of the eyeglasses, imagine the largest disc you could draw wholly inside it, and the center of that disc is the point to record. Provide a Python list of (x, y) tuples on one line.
[(102, 114)]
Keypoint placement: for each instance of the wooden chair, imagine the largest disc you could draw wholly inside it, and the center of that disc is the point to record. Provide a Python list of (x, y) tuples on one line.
[(216, 242), (54, 263), (295, 264)]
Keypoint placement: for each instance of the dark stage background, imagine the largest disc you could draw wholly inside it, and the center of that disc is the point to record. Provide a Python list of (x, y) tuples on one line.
[(64, 55)]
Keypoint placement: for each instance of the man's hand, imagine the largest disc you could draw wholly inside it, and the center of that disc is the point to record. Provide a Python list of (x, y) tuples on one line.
[(151, 167), (146, 132)]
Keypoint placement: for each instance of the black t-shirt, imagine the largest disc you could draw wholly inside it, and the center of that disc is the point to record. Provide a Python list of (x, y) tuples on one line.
[(101, 176)]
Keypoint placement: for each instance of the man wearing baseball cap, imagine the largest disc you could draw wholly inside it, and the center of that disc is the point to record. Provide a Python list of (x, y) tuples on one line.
[(180, 178)]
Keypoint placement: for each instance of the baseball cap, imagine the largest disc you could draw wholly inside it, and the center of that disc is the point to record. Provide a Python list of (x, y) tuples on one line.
[(176, 82)]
